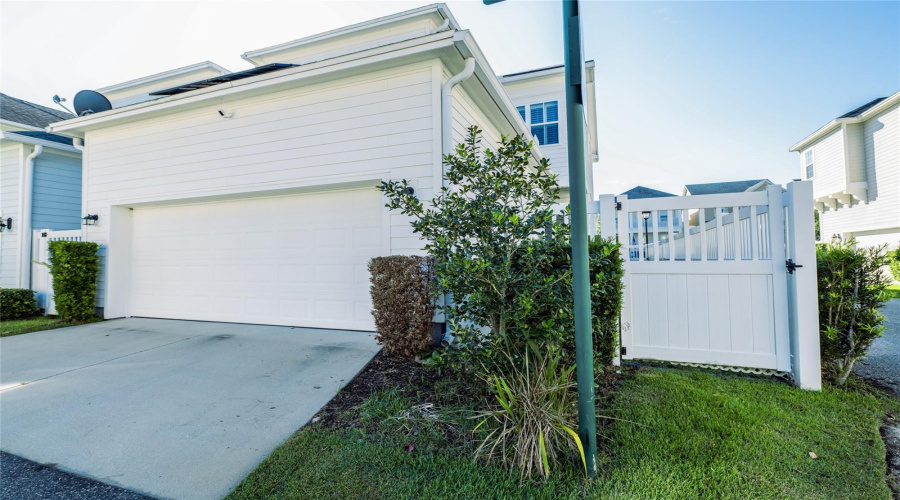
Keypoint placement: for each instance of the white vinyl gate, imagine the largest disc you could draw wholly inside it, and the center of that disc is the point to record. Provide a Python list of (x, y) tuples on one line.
[(707, 280), (41, 281)]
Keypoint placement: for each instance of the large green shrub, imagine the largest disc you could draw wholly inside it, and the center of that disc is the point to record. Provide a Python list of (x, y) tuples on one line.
[(606, 273), (17, 303), (74, 266), (852, 286), (403, 302), (480, 229), (895, 262)]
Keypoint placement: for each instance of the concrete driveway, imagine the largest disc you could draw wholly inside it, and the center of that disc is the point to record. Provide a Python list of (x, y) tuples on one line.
[(882, 363), (173, 409)]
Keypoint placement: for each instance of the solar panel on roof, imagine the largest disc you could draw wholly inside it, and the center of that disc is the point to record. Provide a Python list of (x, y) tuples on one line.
[(202, 84)]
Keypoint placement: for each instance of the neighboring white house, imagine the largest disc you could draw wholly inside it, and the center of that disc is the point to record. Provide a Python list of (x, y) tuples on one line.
[(251, 197), (40, 184), (854, 163)]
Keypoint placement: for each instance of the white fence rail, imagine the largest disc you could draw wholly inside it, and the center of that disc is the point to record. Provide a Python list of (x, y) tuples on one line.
[(706, 280), (41, 281)]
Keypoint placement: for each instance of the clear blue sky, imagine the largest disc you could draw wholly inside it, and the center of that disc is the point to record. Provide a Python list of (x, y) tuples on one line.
[(687, 91)]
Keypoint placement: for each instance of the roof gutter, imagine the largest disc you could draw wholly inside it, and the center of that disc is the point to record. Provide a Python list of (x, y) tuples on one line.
[(24, 139), (26, 192), (466, 45), (74, 127)]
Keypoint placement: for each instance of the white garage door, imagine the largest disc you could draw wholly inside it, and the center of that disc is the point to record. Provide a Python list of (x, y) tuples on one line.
[(296, 260)]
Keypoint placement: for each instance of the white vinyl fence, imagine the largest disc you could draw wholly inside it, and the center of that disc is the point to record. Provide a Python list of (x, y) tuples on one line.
[(707, 279), (41, 281)]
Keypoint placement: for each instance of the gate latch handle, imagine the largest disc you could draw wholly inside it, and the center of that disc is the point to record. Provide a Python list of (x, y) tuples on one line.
[(791, 266)]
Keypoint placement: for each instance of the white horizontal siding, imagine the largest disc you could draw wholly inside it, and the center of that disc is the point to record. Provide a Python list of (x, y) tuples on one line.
[(356, 129), (828, 158), (881, 139), (10, 162), (466, 114)]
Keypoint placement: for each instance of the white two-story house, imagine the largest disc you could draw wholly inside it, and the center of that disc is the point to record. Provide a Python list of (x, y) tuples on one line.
[(252, 196), (854, 163)]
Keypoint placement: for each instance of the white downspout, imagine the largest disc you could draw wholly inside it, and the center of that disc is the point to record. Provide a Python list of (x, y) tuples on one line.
[(447, 146), (442, 27), (26, 195), (447, 105), (79, 145)]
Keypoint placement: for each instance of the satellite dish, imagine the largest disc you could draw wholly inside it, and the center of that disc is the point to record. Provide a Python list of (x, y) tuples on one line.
[(87, 102)]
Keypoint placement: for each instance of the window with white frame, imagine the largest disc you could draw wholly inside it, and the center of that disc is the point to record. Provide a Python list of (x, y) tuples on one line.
[(521, 110), (808, 162), (543, 118)]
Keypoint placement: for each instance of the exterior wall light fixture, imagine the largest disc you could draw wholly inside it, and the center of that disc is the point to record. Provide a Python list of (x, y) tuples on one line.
[(5, 224), (89, 220)]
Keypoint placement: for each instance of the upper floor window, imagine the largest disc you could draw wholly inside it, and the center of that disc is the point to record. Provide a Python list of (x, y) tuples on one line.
[(808, 163), (544, 121)]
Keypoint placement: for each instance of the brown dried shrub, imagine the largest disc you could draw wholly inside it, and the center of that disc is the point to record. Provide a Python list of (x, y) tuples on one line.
[(403, 302)]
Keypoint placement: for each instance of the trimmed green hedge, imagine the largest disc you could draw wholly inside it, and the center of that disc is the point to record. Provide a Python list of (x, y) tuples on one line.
[(17, 303), (74, 266)]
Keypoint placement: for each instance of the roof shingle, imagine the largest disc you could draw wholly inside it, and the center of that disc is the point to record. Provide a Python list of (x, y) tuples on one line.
[(641, 192), (29, 113), (862, 109), (723, 187)]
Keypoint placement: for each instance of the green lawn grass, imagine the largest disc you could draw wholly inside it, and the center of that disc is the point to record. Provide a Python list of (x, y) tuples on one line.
[(894, 291), (36, 324), (680, 434)]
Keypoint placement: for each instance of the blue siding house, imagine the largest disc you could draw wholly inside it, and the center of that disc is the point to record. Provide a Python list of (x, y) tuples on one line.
[(54, 201)]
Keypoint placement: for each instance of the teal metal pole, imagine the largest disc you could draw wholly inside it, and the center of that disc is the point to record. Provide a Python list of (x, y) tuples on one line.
[(584, 350)]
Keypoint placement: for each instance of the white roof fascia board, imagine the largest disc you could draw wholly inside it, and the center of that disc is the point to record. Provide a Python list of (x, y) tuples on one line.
[(165, 74), (833, 124), (558, 70), (440, 9), (75, 127), (24, 139), (468, 48), (21, 125)]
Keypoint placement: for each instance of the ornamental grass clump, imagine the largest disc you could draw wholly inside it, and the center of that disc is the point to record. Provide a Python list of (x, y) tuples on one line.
[(531, 425), (852, 287)]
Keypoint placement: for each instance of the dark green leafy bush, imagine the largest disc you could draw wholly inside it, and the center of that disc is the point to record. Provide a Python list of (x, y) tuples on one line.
[(17, 303), (480, 229), (403, 302), (74, 266), (503, 255), (895, 262), (852, 287)]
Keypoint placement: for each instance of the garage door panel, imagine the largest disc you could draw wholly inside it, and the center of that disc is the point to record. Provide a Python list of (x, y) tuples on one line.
[(291, 260)]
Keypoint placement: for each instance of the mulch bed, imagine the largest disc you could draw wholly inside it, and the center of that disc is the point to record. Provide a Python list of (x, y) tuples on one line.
[(424, 385), (384, 371)]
